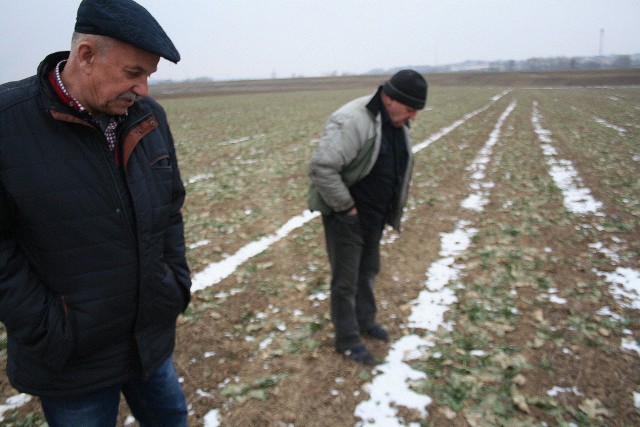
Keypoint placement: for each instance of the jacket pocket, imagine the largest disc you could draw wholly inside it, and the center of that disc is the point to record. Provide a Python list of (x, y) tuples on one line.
[(57, 345), (163, 161), (346, 226), (101, 323), (353, 220), (168, 297)]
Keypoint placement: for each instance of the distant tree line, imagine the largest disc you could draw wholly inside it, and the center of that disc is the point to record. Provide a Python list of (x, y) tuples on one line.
[(531, 64)]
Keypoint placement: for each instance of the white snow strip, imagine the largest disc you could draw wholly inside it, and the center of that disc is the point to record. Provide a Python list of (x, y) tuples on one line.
[(212, 418), (627, 291), (603, 122), (557, 390), (14, 402), (445, 130), (200, 177), (200, 243), (203, 393), (630, 344), (390, 388), (236, 141), (611, 253), (577, 199), (433, 301), (217, 271), (557, 300), (478, 201)]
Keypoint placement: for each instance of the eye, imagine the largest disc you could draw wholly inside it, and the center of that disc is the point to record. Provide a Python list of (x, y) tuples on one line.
[(133, 74)]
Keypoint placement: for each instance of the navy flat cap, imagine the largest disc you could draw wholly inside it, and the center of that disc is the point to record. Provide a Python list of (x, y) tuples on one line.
[(126, 21)]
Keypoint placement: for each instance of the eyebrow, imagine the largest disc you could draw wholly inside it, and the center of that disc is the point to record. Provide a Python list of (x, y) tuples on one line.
[(139, 69)]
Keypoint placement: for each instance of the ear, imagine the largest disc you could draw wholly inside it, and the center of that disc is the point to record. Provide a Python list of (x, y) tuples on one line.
[(86, 56), (387, 100)]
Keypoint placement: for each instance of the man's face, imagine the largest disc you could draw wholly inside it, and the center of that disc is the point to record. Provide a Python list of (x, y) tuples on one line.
[(118, 78), (399, 113)]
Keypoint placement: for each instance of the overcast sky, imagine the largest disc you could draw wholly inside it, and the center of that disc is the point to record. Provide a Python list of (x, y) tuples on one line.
[(240, 39)]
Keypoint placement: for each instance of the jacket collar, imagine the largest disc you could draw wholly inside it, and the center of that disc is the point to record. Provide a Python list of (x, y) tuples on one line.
[(139, 122), (53, 101), (375, 105)]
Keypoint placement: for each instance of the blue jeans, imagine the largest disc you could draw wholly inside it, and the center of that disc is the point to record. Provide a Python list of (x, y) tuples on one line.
[(159, 401)]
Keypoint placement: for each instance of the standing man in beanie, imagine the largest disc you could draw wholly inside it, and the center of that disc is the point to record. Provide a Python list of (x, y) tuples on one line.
[(360, 174), (93, 272)]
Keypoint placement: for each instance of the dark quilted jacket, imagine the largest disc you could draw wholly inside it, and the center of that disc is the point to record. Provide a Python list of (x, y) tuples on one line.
[(92, 262)]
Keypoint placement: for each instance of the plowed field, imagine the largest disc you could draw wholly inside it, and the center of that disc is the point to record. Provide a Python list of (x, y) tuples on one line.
[(511, 294)]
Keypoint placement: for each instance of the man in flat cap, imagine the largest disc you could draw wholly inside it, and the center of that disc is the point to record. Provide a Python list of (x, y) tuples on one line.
[(360, 174), (93, 273)]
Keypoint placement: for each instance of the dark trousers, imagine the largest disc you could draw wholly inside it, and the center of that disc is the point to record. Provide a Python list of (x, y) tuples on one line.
[(353, 247)]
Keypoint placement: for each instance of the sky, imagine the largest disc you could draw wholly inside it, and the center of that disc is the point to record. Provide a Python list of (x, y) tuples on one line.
[(256, 39)]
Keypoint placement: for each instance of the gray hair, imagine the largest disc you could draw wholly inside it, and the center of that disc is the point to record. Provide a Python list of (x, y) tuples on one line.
[(103, 44)]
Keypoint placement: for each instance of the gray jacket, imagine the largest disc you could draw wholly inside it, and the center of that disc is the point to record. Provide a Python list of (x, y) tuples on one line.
[(346, 153)]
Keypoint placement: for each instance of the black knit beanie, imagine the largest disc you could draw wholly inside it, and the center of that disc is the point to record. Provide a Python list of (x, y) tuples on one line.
[(407, 87)]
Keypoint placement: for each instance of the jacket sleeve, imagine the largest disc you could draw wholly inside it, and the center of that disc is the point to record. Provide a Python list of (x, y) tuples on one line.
[(32, 316), (174, 247), (337, 148)]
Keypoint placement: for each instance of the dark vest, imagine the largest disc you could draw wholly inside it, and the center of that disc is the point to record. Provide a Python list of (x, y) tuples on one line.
[(375, 193)]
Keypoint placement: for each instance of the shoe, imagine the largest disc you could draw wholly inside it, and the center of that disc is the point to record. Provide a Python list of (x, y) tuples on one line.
[(360, 354), (377, 332)]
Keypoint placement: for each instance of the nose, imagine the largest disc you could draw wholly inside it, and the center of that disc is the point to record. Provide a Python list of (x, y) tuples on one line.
[(141, 88)]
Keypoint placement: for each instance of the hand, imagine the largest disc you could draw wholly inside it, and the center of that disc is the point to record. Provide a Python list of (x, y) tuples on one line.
[(352, 212)]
